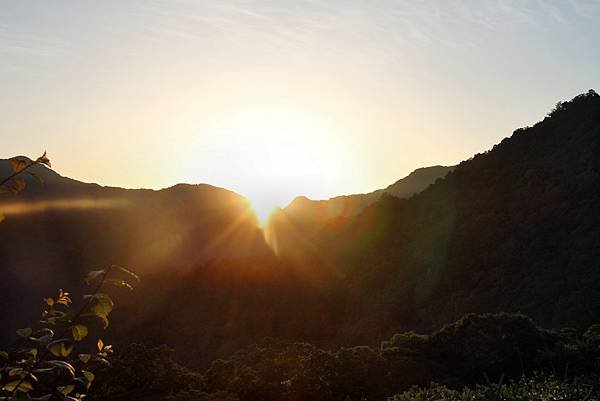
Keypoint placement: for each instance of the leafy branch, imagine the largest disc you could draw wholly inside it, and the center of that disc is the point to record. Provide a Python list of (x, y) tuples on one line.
[(43, 365), (13, 183), (41, 368)]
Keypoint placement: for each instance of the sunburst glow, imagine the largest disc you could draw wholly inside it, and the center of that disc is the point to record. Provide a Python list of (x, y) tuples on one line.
[(274, 154)]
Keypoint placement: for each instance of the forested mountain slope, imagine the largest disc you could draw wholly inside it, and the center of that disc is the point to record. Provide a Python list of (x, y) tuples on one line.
[(304, 210), (56, 231), (516, 228), (513, 229)]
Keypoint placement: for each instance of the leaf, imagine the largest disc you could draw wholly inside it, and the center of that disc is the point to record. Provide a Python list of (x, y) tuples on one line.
[(60, 348), (25, 333), (58, 316), (119, 283), (44, 331), (49, 301), (4, 354), (85, 358), (23, 386), (44, 160), (33, 352), (66, 390), (127, 271), (89, 376), (101, 306), (46, 397), (43, 339), (63, 298), (93, 275), (79, 332), (15, 163), (63, 365), (7, 189), (102, 361), (44, 370), (17, 372), (18, 165), (105, 321), (100, 344), (37, 177), (19, 184), (19, 396)]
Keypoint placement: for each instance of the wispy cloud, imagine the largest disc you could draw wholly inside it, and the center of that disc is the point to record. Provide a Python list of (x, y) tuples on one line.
[(298, 24), (17, 41)]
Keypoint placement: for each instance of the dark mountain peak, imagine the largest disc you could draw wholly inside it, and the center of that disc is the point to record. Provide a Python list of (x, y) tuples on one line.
[(55, 185), (301, 198), (303, 217), (513, 228), (430, 168), (299, 201), (416, 181), (20, 157), (196, 188), (590, 98)]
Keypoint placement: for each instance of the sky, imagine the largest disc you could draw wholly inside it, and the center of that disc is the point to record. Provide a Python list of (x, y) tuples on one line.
[(274, 99)]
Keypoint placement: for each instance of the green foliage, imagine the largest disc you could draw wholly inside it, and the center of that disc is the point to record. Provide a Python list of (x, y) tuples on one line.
[(472, 359), (512, 229), (471, 352), (533, 388), (139, 371), (55, 359), (41, 366)]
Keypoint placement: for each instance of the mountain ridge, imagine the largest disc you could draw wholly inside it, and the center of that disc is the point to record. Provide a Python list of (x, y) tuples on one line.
[(511, 229)]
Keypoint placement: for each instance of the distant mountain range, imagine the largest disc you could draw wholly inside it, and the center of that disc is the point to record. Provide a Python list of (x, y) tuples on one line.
[(318, 212), (56, 230), (515, 228), (153, 229), (302, 217), (512, 229)]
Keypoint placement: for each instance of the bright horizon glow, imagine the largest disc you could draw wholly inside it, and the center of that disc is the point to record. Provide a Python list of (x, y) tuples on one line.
[(275, 99), (272, 153)]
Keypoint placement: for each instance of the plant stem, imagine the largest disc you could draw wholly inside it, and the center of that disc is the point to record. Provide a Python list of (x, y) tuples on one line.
[(16, 173)]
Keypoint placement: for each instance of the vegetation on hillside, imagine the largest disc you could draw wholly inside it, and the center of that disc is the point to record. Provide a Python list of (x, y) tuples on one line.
[(498, 356), (55, 358), (514, 229)]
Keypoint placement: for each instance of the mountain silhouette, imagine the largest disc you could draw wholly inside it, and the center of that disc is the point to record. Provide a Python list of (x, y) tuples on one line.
[(59, 229), (303, 217), (56, 231), (511, 229), (515, 229), (302, 208)]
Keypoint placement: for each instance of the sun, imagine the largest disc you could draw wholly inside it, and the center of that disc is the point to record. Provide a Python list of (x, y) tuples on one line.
[(264, 208), (270, 155)]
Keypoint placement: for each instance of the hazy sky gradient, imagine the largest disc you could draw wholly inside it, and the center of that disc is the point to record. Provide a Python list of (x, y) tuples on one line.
[(150, 93)]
